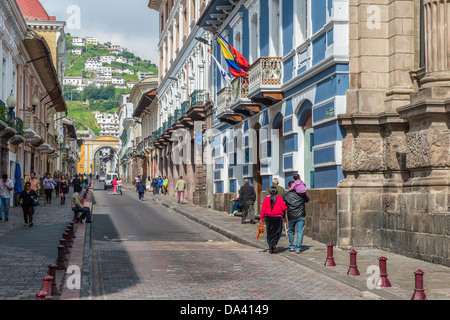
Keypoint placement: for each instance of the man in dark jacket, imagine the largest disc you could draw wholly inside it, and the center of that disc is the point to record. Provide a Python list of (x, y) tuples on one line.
[(296, 218), (76, 184), (247, 197)]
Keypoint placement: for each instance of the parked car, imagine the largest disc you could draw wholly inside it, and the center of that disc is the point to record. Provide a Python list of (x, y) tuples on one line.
[(109, 178), (102, 177)]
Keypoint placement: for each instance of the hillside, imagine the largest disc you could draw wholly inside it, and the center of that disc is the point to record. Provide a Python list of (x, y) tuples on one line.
[(98, 93)]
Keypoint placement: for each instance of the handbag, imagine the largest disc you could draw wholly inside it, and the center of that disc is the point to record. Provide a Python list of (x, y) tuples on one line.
[(36, 202)]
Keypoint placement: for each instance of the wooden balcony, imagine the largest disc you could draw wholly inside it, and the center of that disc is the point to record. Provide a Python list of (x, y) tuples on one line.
[(240, 102), (197, 100), (265, 80)]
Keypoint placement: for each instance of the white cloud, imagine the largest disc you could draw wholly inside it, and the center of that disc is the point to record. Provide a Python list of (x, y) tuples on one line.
[(128, 23)]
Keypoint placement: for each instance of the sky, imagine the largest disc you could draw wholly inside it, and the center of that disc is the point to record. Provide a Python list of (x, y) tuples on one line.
[(128, 23)]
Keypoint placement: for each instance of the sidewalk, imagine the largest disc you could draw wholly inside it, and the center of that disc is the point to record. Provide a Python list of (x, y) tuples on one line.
[(400, 269), (26, 252)]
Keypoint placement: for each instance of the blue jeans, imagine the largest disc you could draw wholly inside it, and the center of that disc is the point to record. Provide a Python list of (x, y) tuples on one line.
[(141, 195), (236, 206), (4, 203), (299, 225), (85, 212)]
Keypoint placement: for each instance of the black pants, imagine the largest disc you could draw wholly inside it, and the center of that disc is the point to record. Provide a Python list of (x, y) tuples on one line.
[(274, 229), (57, 191), (48, 195), (27, 214)]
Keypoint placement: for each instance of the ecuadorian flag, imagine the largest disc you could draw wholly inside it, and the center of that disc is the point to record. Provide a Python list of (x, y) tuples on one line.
[(237, 64)]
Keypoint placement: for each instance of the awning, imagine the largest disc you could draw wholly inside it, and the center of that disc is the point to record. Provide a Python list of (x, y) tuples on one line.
[(41, 57), (70, 128), (146, 99)]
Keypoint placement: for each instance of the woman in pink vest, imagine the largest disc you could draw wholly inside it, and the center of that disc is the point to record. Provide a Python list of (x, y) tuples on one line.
[(114, 185), (272, 210)]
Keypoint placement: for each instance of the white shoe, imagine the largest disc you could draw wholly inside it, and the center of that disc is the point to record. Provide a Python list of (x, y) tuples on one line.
[(25, 224)]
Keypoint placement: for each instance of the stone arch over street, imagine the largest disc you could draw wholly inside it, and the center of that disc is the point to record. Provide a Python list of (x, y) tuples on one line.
[(90, 147)]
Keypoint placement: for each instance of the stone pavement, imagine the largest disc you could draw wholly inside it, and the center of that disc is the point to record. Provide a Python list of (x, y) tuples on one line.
[(400, 269), (26, 252)]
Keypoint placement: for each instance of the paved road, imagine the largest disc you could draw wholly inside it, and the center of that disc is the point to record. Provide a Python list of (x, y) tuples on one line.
[(142, 250)]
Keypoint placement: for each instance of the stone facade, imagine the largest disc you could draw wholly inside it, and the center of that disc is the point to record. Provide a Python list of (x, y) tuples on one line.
[(396, 154)]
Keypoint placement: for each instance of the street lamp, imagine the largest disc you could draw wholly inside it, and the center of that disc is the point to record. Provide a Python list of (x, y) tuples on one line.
[(34, 102), (202, 40), (11, 102)]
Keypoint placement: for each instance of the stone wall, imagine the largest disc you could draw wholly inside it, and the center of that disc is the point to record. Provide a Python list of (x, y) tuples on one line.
[(321, 215), (417, 225)]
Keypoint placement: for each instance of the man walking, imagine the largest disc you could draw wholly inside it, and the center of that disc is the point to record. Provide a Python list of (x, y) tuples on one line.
[(247, 197), (296, 218), (180, 188), (6, 186)]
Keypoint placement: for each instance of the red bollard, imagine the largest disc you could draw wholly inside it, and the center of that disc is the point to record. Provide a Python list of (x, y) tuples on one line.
[(63, 242), (72, 230), (61, 260), (419, 292), (383, 281), (40, 295), (48, 286), (353, 270), (52, 272), (69, 232), (330, 260), (67, 237)]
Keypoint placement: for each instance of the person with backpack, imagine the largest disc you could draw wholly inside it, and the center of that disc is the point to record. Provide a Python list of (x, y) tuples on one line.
[(140, 188), (272, 212)]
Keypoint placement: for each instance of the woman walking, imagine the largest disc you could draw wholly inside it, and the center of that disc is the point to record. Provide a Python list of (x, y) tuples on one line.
[(57, 185), (165, 184), (64, 189), (114, 185), (49, 185), (26, 199), (272, 211)]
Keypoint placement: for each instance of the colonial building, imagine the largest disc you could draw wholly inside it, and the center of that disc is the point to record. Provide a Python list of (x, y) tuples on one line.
[(183, 95), (280, 118), (32, 63), (396, 154)]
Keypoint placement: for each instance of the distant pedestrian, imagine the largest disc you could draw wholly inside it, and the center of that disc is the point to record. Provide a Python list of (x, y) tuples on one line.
[(165, 184), (78, 207), (160, 185), (140, 188), (64, 189), (180, 189), (49, 185), (247, 198), (6, 186), (27, 199), (148, 184), (114, 185), (298, 186), (154, 186), (272, 212), (275, 183), (119, 186), (76, 182), (34, 181), (296, 218), (57, 184)]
